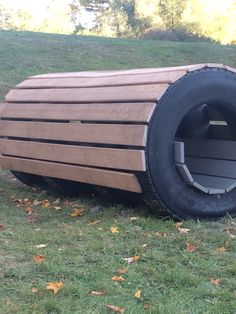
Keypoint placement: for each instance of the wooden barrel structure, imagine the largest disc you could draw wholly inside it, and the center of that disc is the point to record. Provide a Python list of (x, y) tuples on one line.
[(167, 134)]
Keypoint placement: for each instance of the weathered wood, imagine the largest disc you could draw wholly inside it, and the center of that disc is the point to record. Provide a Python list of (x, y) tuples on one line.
[(213, 167), (128, 72), (125, 159), (102, 81), (126, 112), (107, 178), (119, 134), (216, 149), (94, 94)]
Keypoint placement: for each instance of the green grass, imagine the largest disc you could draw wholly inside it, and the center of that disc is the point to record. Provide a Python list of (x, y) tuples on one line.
[(86, 256)]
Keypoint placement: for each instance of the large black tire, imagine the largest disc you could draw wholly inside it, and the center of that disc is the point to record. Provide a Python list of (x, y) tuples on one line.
[(29, 179), (162, 183)]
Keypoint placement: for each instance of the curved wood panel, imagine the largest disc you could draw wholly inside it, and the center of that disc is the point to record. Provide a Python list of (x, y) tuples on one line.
[(68, 82), (125, 159), (98, 94), (118, 180), (118, 134), (126, 112)]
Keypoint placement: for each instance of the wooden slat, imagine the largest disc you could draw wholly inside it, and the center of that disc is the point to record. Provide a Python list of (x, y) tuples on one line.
[(120, 134), (124, 72), (113, 179), (219, 132), (126, 112), (125, 159), (213, 167), (97, 94), (216, 149), (62, 82)]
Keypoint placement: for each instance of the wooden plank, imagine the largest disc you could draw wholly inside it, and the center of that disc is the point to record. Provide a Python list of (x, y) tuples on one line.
[(126, 112), (119, 134), (94, 94), (213, 167), (184, 173), (216, 149), (107, 178), (125, 159), (115, 80)]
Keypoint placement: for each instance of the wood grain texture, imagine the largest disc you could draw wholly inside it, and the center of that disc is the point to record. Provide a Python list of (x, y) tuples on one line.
[(126, 112), (107, 178), (72, 82), (119, 134), (93, 94), (127, 72), (125, 159)]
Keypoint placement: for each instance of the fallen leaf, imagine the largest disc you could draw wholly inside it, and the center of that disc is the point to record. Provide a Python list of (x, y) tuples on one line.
[(77, 212), (45, 203), (138, 294), (131, 260), (215, 282), (178, 224), (94, 222), (40, 246), (118, 278), (2, 227), (34, 290), (114, 230), (39, 258), (31, 218), (57, 207), (97, 293), (145, 245), (134, 218), (122, 271), (116, 309), (37, 203), (183, 230), (38, 229), (221, 250), (146, 306), (191, 247), (29, 210), (55, 286), (160, 234), (100, 229), (57, 201)]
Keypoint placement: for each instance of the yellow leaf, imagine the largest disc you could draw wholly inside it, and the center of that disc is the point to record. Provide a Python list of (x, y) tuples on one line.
[(91, 222), (221, 249), (45, 203), (117, 309), (183, 230), (118, 278), (178, 224), (136, 258), (39, 258), (114, 230), (98, 293), (77, 212), (122, 271), (138, 294), (55, 286)]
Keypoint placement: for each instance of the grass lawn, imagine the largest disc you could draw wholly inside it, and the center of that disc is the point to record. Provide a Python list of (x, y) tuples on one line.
[(177, 270)]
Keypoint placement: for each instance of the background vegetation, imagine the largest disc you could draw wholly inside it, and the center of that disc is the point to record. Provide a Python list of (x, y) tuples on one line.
[(152, 19)]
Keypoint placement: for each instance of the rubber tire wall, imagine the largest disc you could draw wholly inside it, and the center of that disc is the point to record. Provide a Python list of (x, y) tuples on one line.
[(162, 183)]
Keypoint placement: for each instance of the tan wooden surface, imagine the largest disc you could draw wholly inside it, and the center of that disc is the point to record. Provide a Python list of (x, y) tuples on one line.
[(121, 80), (120, 134), (125, 159), (129, 72), (93, 94), (107, 178), (127, 112)]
